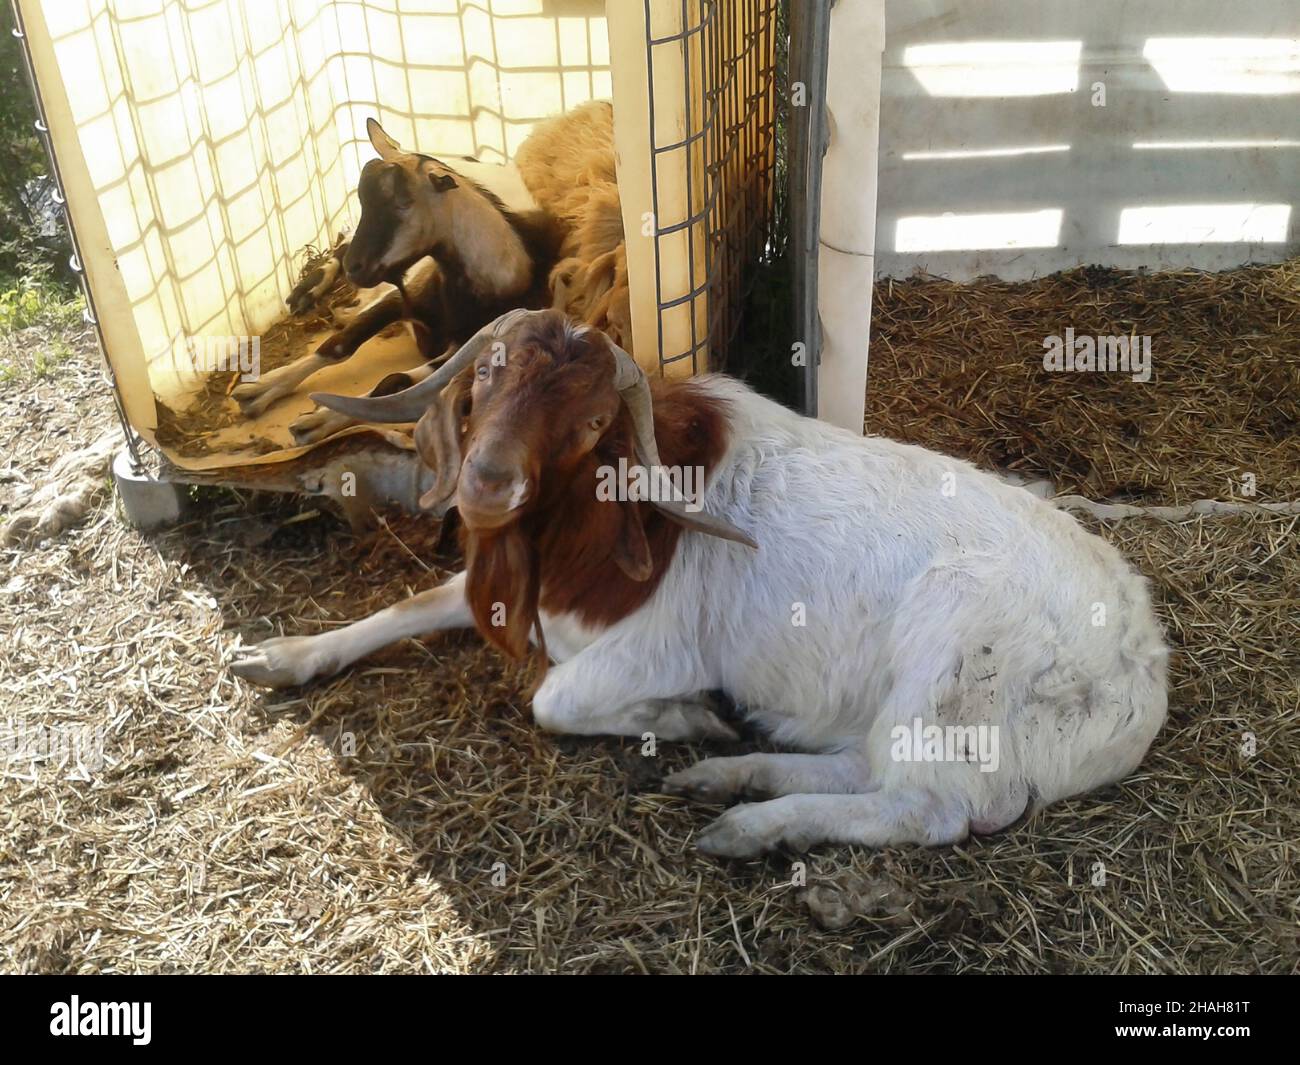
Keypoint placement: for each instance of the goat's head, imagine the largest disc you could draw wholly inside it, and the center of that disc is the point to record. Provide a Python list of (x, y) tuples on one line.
[(405, 211), (529, 408)]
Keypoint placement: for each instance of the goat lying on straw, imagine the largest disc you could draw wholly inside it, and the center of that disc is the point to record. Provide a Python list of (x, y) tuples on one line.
[(952, 651)]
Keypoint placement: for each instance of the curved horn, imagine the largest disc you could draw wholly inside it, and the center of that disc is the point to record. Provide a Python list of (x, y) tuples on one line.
[(634, 389), (410, 403)]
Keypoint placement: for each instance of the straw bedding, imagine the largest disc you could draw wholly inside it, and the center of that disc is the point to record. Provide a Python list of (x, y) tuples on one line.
[(408, 816), (960, 369)]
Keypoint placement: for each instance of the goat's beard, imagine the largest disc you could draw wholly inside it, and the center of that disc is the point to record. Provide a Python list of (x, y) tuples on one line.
[(503, 582)]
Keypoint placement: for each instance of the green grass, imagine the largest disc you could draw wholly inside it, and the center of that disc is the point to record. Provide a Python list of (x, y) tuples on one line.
[(45, 362), (31, 302), (39, 321)]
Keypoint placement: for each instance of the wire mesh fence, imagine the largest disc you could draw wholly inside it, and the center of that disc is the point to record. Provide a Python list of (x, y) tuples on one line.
[(723, 139)]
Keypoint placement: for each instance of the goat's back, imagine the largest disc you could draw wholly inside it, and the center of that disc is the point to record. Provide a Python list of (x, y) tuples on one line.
[(892, 581)]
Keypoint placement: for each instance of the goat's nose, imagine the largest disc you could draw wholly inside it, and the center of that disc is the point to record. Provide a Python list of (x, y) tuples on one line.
[(492, 486), (490, 472)]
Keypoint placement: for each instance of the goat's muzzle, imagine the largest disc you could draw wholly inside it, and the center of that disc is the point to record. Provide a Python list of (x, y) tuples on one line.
[(364, 274), (367, 267), (493, 488)]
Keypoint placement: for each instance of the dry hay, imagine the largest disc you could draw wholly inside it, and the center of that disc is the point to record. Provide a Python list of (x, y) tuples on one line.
[(959, 368), (233, 830), (409, 816)]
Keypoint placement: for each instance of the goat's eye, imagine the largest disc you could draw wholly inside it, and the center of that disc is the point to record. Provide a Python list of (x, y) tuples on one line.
[(482, 373), (597, 424)]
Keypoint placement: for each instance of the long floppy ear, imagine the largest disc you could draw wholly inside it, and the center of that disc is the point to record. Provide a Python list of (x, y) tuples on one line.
[(631, 549), (389, 150), (437, 440)]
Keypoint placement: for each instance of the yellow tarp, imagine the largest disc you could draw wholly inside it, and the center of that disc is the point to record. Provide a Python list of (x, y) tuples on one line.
[(203, 144)]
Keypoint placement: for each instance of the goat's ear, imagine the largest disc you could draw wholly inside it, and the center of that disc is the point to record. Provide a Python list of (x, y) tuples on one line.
[(442, 182), (389, 150), (631, 549), (437, 440)]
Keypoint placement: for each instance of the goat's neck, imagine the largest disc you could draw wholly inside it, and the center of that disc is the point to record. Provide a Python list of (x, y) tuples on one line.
[(575, 541), (491, 253)]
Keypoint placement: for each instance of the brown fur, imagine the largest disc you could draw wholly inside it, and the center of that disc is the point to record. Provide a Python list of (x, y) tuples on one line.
[(567, 164), (580, 575), (565, 155)]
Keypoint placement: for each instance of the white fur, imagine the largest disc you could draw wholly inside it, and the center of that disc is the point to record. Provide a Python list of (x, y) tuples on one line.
[(927, 589)]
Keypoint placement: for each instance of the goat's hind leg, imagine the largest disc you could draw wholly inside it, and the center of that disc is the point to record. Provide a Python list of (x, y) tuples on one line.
[(286, 661), (881, 818)]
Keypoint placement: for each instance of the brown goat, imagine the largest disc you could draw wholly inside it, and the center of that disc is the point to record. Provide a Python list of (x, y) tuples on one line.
[(569, 254), (456, 254)]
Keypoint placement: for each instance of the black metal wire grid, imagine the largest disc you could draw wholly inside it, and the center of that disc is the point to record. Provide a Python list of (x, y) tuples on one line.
[(727, 55)]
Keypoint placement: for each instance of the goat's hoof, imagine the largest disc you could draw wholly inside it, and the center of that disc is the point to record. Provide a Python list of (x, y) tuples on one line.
[(740, 833), (281, 662), (304, 295), (317, 425), (690, 720), (337, 348), (712, 727), (255, 397)]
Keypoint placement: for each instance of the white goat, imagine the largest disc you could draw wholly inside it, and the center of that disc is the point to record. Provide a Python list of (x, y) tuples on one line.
[(953, 651)]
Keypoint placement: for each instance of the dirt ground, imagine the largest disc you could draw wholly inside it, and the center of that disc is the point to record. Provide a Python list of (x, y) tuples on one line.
[(407, 816)]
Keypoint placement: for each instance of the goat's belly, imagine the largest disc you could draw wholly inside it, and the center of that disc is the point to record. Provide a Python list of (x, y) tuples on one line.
[(803, 695), (565, 636)]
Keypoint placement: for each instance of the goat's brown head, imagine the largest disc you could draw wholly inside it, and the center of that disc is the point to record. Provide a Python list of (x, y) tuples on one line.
[(541, 403), (528, 408), (405, 211)]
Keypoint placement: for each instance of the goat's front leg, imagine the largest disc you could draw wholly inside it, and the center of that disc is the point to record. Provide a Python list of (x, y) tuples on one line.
[(255, 397), (311, 289), (286, 661), (764, 776), (373, 317), (316, 425), (679, 719), (601, 693), (422, 285)]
